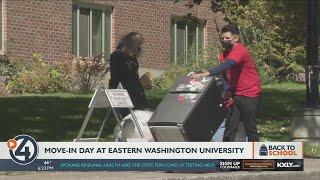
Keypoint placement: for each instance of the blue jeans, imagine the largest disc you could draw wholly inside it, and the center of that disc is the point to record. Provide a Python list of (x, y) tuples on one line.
[(218, 135)]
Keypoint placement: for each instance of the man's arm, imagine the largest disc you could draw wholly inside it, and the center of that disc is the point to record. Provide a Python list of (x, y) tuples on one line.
[(222, 67)]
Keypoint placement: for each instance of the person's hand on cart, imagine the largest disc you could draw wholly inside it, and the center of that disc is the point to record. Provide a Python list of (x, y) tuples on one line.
[(199, 75), (228, 101)]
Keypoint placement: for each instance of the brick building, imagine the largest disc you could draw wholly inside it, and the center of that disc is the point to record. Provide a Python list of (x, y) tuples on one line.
[(56, 29)]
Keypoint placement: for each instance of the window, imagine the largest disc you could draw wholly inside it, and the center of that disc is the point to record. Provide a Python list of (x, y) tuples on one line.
[(91, 30), (186, 37)]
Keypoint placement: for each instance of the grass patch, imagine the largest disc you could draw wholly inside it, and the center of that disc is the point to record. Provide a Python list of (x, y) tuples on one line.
[(279, 102), (55, 117), (276, 130), (311, 150)]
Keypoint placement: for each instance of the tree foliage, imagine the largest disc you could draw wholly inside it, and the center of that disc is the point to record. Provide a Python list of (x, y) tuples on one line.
[(273, 30)]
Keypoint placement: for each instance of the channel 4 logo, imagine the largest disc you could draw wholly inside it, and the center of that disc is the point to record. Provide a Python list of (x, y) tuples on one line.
[(23, 149)]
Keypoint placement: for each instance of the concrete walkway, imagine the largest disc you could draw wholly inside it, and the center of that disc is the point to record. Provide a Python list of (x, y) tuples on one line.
[(311, 172)]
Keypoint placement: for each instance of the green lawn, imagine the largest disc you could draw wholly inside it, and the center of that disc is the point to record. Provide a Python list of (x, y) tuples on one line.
[(55, 117), (279, 102), (58, 117)]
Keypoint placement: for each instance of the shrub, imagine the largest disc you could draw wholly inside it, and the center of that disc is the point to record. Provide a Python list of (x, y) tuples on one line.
[(73, 75), (7, 70), (3, 89), (37, 77), (205, 59), (166, 80), (84, 74)]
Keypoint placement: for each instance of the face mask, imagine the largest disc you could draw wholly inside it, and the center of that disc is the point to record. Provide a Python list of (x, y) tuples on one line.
[(226, 44)]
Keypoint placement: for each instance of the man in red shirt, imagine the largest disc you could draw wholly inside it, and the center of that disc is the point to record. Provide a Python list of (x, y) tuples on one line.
[(244, 84)]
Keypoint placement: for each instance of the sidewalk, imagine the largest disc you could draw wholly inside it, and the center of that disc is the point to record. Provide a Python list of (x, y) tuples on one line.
[(311, 172)]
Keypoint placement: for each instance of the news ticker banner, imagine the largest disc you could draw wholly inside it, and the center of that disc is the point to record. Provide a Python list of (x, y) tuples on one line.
[(23, 153)]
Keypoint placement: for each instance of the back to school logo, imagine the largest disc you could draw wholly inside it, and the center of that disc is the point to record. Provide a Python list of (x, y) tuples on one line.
[(23, 149), (278, 150)]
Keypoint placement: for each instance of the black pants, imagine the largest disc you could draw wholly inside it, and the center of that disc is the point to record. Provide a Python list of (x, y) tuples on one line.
[(139, 101), (244, 109)]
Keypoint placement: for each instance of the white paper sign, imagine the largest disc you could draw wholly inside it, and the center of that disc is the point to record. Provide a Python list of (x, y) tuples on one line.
[(119, 98)]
